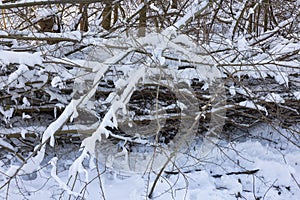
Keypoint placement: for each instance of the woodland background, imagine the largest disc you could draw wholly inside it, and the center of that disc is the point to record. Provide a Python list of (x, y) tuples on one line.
[(65, 65)]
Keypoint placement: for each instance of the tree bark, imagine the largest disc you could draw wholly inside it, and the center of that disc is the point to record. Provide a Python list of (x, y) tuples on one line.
[(106, 15), (84, 23), (142, 20), (116, 13), (266, 14)]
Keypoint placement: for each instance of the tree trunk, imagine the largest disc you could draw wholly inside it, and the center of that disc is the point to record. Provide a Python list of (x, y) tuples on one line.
[(116, 13), (266, 11), (84, 24), (256, 26), (106, 16), (142, 21)]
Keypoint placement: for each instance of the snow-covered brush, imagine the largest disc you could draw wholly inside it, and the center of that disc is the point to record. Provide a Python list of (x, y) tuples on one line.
[(154, 45), (161, 105)]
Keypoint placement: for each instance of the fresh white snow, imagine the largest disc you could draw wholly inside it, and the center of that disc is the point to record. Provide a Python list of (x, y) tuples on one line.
[(213, 177)]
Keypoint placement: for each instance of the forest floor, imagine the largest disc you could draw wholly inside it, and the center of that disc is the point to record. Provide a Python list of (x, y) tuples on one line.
[(266, 166)]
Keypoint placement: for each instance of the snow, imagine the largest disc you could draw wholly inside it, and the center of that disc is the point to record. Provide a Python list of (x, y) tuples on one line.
[(184, 40), (25, 101), (242, 44), (10, 57), (15, 75), (192, 10), (62, 185), (25, 116), (157, 56), (23, 133), (251, 104), (212, 178), (297, 95), (273, 97), (153, 7), (42, 13), (5, 144), (3, 32), (232, 90), (7, 114), (282, 78), (202, 172), (56, 96), (57, 82)]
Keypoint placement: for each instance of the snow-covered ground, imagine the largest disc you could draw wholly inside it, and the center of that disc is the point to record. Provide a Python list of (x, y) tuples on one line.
[(267, 166)]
